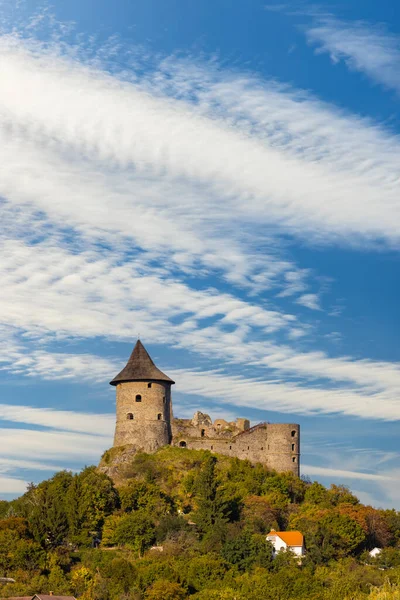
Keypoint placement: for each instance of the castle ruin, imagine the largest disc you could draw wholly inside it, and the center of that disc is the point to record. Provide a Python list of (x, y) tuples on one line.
[(145, 421)]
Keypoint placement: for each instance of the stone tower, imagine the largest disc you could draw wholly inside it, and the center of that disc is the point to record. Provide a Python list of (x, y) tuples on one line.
[(144, 405)]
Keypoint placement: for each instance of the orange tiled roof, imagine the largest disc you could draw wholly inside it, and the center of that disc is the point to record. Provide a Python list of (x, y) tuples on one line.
[(291, 538)]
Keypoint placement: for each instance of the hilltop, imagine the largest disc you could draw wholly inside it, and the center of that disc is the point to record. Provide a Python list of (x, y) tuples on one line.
[(187, 524)]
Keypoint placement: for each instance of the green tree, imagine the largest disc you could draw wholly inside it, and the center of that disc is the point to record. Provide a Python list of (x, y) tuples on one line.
[(48, 516), (121, 575), (165, 590), (211, 513), (205, 570), (135, 530), (91, 497), (247, 550), (317, 494)]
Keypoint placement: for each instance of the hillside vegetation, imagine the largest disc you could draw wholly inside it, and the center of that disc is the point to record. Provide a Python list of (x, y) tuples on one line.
[(185, 524)]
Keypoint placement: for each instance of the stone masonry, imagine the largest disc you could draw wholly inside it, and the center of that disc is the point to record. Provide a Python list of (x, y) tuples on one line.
[(145, 421)]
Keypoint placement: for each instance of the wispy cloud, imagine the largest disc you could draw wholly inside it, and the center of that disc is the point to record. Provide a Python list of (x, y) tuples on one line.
[(59, 419), (339, 474), (12, 485), (364, 47), (205, 142), (310, 301), (53, 445), (159, 175)]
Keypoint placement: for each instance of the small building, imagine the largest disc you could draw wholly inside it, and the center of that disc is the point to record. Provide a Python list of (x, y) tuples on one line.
[(286, 540), (375, 552)]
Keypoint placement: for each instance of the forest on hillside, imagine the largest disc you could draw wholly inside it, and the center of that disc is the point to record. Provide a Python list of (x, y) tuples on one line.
[(185, 524)]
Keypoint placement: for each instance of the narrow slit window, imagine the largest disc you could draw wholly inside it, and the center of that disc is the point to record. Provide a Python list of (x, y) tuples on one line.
[(203, 432), (293, 433), (294, 459), (138, 398), (159, 417), (293, 447), (149, 385)]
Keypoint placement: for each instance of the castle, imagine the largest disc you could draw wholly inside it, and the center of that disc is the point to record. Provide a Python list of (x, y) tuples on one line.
[(145, 421)]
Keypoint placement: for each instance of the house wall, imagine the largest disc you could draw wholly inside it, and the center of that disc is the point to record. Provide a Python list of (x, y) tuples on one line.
[(280, 545)]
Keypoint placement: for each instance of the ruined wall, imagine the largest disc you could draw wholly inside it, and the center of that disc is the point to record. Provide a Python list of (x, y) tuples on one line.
[(274, 444), (146, 424)]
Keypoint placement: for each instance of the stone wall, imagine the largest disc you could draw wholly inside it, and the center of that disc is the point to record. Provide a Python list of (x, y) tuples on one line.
[(144, 423), (272, 444), (148, 424)]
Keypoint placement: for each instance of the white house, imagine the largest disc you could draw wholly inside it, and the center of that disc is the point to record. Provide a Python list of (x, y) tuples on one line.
[(375, 552), (286, 540)]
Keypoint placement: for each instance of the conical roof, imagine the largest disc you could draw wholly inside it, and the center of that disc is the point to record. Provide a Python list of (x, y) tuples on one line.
[(140, 367)]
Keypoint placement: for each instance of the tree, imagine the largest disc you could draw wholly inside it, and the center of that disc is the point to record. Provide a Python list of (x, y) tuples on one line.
[(135, 530), (91, 497), (48, 516), (316, 494), (122, 577), (142, 494), (211, 513), (205, 570), (259, 515), (247, 550), (340, 494), (328, 534), (165, 590)]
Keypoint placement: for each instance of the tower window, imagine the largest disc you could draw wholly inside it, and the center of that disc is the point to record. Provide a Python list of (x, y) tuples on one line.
[(138, 398), (182, 444), (230, 447), (262, 448), (129, 416), (203, 431), (212, 447), (293, 447), (159, 417), (163, 399), (293, 459), (293, 433), (149, 385)]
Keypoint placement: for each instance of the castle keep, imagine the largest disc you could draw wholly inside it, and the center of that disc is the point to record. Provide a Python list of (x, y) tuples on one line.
[(145, 421)]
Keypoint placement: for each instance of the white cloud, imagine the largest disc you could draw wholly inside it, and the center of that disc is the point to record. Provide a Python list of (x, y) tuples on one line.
[(339, 474), (367, 48), (53, 445), (12, 485), (286, 397), (204, 143), (87, 294), (131, 182), (95, 424), (12, 464), (310, 301)]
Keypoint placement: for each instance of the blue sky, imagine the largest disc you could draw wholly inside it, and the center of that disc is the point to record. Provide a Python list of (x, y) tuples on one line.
[(221, 179)]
